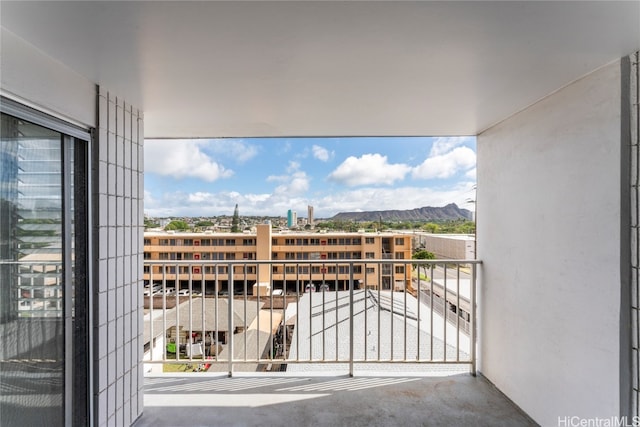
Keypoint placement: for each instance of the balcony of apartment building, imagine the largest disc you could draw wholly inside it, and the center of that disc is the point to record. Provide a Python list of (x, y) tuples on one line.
[(549, 89), (320, 350)]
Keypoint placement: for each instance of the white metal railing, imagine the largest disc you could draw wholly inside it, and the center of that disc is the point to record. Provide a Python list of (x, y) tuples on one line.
[(269, 315)]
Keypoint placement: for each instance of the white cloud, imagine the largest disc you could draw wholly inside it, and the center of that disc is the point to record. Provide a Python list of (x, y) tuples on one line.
[(296, 184), (443, 145), (327, 205), (182, 159), (471, 174), (368, 170), (293, 184), (321, 153), (446, 165), (233, 149), (293, 166)]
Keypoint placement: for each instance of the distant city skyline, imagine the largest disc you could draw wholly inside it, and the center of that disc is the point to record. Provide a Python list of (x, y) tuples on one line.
[(269, 176)]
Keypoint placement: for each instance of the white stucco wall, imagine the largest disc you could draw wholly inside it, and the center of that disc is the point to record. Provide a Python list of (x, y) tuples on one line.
[(548, 209), (37, 80)]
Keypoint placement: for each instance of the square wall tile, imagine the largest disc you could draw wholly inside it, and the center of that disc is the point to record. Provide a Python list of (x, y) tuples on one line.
[(112, 273), (112, 115), (103, 342), (111, 189), (103, 248), (102, 374), (111, 148)]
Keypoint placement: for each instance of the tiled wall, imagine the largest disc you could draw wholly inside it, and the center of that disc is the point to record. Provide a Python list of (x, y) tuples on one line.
[(118, 225)]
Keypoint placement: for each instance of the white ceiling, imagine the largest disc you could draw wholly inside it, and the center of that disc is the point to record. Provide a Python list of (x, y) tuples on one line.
[(203, 69)]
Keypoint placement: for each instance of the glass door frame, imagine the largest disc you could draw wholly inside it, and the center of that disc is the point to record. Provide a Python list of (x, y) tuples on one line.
[(78, 394)]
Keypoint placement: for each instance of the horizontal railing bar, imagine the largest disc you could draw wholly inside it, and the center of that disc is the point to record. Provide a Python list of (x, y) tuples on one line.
[(305, 362), (312, 262)]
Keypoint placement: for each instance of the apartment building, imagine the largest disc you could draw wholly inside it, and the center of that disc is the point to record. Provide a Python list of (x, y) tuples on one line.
[(344, 254)]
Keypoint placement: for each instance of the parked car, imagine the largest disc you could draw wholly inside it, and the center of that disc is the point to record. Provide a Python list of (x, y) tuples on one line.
[(324, 287), (168, 291), (310, 287), (186, 293)]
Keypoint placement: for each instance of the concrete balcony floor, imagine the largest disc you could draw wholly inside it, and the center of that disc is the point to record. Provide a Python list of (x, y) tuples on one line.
[(255, 400)]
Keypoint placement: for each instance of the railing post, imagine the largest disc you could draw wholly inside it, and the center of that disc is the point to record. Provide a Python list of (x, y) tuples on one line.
[(230, 318), (350, 319), (473, 319)]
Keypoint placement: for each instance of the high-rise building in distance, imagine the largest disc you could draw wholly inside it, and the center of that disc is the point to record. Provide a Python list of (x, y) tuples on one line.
[(310, 215)]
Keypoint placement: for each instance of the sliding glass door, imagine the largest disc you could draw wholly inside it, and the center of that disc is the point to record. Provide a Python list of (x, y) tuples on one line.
[(44, 304)]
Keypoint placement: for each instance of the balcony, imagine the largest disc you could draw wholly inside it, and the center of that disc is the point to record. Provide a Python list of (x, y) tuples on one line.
[(313, 347)]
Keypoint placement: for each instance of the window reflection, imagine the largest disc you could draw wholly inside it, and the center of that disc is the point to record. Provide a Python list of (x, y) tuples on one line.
[(31, 279)]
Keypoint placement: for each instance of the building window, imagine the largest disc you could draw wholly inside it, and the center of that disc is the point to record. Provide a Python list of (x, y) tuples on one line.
[(370, 270), (289, 269), (147, 242), (399, 255), (399, 269), (399, 241), (369, 240), (230, 242), (147, 255), (369, 255), (248, 242)]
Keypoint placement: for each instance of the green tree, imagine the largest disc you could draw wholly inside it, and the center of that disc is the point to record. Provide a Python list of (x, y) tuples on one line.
[(422, 254), (150, 224), (177, 225), (204, 224), (235, 222), (431, 227)]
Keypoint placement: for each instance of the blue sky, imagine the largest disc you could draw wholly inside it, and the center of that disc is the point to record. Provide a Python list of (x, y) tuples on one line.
[(268, 176)]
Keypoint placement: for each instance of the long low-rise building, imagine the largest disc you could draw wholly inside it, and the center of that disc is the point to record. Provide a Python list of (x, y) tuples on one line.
[(294, 250), (446, 246)]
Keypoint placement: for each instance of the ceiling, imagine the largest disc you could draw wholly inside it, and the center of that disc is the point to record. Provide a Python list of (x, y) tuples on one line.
[(222, 69)]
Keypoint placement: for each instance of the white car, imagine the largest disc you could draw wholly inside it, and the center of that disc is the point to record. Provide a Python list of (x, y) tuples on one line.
[(186, 293), (168, 291)]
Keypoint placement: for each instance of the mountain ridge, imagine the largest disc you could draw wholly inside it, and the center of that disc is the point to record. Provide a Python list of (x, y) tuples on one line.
[(426, 213)]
